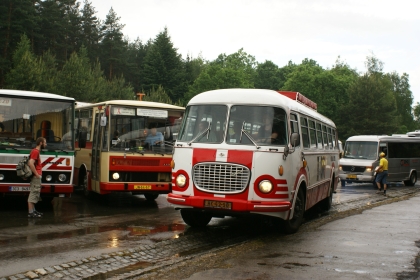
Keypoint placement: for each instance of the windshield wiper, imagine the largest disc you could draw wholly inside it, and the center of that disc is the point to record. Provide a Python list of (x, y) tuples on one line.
[(201, 134), (247, 135)]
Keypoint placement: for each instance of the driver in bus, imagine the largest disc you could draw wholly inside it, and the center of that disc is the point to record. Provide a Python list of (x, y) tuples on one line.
[(154, 138)]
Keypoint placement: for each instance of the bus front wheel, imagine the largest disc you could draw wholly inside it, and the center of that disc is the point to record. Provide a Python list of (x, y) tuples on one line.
[(195, 218), (151, 196), (292, 225)]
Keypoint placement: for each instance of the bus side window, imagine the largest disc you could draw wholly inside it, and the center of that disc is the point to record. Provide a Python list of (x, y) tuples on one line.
[(319, 135), (294, 126), (305, 132)]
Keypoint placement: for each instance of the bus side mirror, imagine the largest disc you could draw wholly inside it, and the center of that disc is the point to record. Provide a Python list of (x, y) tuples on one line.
[(295, 139), (82, 139)]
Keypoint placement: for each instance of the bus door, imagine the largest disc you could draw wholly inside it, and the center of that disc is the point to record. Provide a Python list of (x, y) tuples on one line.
[(96, 154)]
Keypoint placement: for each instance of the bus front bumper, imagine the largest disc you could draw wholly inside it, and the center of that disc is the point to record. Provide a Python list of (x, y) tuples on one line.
[(233, 205), (152, 187), (356, 178)]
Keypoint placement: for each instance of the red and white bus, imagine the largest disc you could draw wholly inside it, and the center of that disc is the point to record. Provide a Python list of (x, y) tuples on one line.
[(253, 151), (113, 155), (25, 116)]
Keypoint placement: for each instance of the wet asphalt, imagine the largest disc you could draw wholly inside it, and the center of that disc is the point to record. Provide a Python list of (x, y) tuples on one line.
[(83, 239)]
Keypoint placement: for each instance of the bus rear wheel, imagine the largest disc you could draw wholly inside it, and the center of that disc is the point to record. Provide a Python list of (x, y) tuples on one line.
[(326, 203), (292, 226), (195, 218), (412, 181)]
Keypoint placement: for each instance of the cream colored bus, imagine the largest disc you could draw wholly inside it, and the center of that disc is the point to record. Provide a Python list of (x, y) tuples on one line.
[(116, 153)]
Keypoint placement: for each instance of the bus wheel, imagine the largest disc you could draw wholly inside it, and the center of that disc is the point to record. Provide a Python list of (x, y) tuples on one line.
[(86, 190), (412, 181), (150, 196), (326, 203), (292, 226), (195, 218)]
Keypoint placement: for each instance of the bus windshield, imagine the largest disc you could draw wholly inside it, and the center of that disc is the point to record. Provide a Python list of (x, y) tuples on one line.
[(146, 134), (23, 120), (247, 125), (361, 150)]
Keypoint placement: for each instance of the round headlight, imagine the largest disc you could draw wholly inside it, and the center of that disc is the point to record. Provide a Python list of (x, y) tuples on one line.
[(48, 178), (265, 186), (1, 177), (115, 176), (181, 180), (62, 177)]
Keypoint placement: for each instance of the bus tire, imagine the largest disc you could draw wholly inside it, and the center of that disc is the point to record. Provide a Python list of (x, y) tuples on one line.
[(292, 225), (195, 218), (151, 196), (86, 192), (412, 181), (326, 203)]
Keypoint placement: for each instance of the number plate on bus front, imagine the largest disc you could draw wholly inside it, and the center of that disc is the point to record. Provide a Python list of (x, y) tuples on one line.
[(218, 204), (19, 189), (352, 176), (142, 187)]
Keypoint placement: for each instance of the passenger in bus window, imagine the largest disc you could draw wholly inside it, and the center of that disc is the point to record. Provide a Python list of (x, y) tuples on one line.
[(265, 130), (235, 137)]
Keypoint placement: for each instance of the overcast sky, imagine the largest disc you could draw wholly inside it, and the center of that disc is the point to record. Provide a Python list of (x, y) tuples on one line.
[(282, 30)]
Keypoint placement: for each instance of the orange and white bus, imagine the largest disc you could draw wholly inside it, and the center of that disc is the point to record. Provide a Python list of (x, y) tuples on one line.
[(253, 151), (25, 116), (115, 152)]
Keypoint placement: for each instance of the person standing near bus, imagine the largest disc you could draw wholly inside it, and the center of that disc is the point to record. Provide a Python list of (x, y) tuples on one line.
[(382, 173), (36, 167)]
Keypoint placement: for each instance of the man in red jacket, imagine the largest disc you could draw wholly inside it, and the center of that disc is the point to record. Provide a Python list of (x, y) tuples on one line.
[(36, 166)]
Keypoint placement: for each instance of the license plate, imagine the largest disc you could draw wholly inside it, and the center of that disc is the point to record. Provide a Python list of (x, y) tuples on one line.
[(218, 204), (352, 176), (142, 187), (19, 189)]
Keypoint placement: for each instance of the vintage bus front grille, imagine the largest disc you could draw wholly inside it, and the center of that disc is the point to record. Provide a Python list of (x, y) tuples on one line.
[(221, 177), (351, 168)]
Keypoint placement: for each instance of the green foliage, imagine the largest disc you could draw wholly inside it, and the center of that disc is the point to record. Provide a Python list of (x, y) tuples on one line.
[(69, 51), (227, 71), (371, 109), (268, 76), (159, 95), (112, 45), (116, 89), (25, 73), (163, 66)]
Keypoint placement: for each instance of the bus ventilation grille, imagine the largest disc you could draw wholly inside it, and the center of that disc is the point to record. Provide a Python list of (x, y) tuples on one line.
[(221, 177)]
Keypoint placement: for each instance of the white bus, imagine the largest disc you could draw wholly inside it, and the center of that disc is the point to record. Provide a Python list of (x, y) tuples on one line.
[(253, 151), (115, 155), (361, 157), (25, 116)]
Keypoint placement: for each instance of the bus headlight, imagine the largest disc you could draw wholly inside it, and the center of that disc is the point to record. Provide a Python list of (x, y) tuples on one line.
[(368, 169), (340, 168), (265, 186), (48, 178), (1, 177), (180, 180), (62, 177), (115, 176)]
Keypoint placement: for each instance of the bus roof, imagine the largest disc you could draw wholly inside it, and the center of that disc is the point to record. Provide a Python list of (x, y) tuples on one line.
[(375, 138), (34, 94), (264, 97), (136, 103)]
